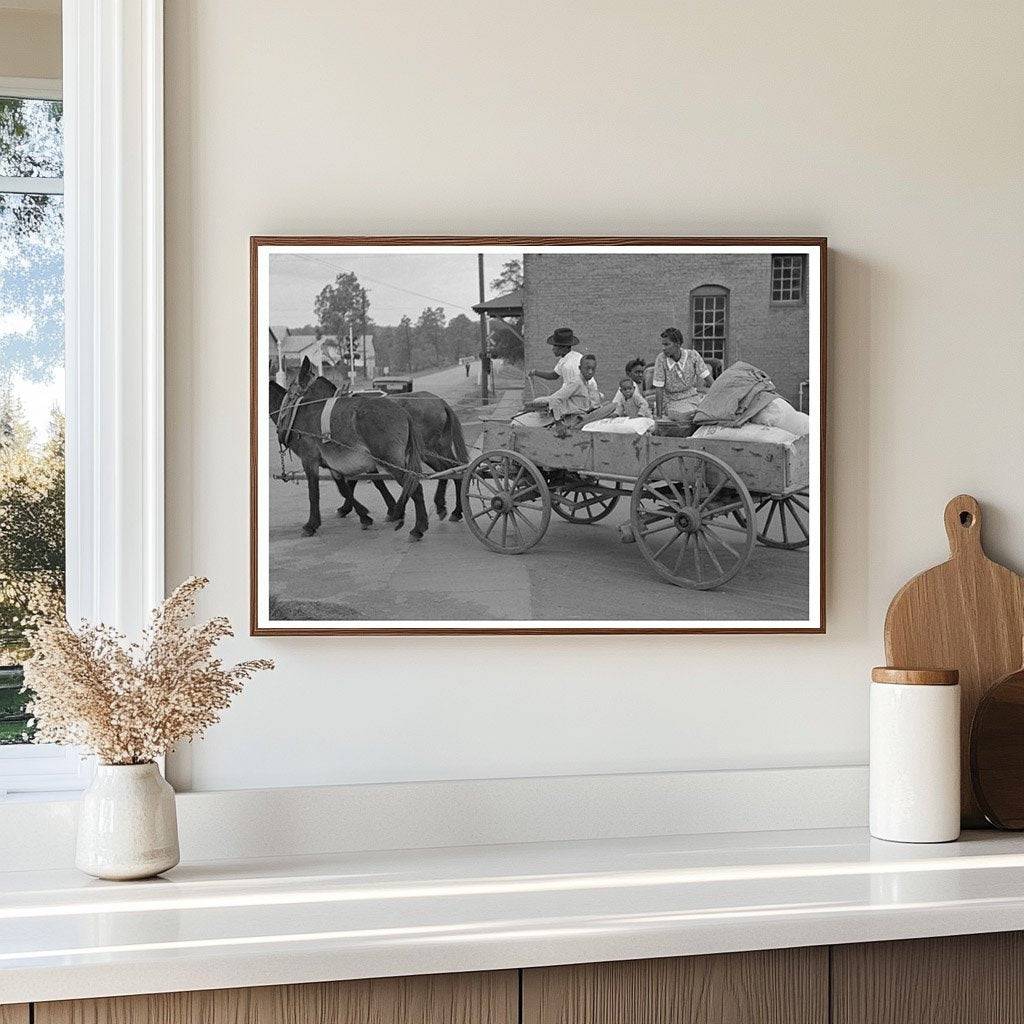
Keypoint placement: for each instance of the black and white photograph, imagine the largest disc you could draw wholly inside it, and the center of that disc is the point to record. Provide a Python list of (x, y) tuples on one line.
[(522, 435)]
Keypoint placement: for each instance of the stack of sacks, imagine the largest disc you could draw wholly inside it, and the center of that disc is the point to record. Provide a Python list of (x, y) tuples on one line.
[(781, 414), (749, 432), (620, 425)]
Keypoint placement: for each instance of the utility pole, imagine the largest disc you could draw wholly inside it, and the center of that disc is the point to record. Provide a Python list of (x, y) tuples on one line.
[(351, 356), (362, 335), (484, 357)]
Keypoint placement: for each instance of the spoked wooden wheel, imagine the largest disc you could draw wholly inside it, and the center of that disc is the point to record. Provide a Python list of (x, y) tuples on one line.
[(782, 520), (682, 516), (577, 503), (506, 501)]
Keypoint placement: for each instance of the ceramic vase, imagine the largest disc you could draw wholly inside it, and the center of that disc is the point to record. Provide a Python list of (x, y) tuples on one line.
[(127, 825)]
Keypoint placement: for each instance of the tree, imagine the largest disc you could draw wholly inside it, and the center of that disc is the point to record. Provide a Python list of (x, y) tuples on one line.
[(462, 336), (31, 528), (404, 342), (342, 305), (15, 430), (505, 342), (429, 338), (509, 278), (31, 242)]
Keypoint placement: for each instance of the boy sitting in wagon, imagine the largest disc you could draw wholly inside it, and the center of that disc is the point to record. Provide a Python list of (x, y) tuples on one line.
[(575, 398)]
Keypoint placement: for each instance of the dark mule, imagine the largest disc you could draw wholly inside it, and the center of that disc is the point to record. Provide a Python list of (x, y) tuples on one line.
[(443, 446), (365, 435), (346, 488), (306, 449)]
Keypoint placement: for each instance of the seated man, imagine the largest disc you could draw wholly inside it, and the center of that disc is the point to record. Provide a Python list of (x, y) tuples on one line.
[(629, 400), (575, 398), (567, 366)]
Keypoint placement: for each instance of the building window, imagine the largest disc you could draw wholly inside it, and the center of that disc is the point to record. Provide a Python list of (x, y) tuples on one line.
[(709, 313), (788, 276)]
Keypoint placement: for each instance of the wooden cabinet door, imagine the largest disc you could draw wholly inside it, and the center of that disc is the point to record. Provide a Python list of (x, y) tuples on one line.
[(960, 979), (778, 986), (14, 1013), (481, 998)]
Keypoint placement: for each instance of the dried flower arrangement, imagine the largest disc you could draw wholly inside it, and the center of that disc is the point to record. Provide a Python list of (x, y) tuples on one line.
[(129, 703)]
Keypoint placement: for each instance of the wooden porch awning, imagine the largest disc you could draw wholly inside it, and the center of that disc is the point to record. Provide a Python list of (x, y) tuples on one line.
[(504, 305)]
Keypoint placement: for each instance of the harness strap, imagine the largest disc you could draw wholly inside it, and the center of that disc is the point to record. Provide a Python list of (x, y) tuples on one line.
[(286, 435), (325, 420)]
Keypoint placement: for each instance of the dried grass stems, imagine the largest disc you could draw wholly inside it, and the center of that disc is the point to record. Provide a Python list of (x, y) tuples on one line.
[(129, 703)]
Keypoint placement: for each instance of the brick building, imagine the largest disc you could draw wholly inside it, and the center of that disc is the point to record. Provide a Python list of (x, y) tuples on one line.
[(729, 306)]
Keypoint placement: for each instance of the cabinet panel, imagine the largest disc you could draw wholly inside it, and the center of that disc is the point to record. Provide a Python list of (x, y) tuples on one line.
[(481, 998), (778, 986), (962, 979), (14, 1013)]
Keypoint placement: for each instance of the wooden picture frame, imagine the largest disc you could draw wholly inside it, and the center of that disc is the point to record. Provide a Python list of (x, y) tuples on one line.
[(263, 622)]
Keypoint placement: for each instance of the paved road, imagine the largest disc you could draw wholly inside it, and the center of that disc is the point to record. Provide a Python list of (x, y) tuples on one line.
[(575, 572)]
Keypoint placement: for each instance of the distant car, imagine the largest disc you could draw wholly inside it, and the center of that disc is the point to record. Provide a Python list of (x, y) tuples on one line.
[(393, 385)]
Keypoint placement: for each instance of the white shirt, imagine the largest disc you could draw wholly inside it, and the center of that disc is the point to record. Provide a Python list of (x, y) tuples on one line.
[(568, 367)]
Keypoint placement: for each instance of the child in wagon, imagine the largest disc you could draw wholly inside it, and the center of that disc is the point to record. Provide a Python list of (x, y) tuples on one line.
[(629, 400), (570, 404)]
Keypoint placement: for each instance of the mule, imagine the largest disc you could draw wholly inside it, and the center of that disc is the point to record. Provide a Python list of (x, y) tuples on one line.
[(366, 434), (443, 447), (304, 448)]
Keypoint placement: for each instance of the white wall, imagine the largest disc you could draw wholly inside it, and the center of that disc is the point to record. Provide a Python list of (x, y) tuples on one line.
[(895, 129)]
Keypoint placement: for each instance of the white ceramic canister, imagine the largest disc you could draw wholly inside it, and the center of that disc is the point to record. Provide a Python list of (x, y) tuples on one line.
[(127, 825), (915, 755)]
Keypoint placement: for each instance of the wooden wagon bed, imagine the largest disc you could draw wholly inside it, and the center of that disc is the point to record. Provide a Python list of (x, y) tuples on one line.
[(765, 467)]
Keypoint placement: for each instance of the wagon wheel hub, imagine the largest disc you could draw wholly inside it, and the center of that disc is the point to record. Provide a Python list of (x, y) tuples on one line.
[(688, 520), (501, 502)]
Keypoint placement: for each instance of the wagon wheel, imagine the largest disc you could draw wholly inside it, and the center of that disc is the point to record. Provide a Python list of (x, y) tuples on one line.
[(578, 503), (789, 513), (682, 516), (506, 501)]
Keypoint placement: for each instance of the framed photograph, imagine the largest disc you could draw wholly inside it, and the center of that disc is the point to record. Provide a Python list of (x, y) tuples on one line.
[(537, 435)]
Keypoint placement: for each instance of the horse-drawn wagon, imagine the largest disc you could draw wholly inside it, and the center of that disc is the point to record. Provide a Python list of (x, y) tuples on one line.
[(698, 505)]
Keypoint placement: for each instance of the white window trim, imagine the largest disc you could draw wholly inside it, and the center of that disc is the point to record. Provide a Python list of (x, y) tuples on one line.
[(31, 88), (114, 321), (113, 168)]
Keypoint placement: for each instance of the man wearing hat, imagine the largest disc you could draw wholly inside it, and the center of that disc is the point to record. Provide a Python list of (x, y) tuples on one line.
[(567, 369)]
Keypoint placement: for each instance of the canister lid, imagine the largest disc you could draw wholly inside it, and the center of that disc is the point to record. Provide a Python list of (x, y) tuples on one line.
[(916, 676)]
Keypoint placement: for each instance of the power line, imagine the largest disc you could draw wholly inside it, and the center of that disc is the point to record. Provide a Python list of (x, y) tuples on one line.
[(383, 284)]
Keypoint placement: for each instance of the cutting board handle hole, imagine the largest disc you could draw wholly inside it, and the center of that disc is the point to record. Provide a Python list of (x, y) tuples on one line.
[(966, 519)]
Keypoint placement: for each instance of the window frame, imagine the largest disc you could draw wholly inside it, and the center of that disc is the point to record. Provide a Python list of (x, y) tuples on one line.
[(48, 89), (802, 263), (32, 768), (703, 291), (112, 89)]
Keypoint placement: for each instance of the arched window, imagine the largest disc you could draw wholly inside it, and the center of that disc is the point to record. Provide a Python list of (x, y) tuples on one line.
[(709, 317)]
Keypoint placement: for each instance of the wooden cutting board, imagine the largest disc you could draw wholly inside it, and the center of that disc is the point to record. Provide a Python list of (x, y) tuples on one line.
[(967, 614)]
